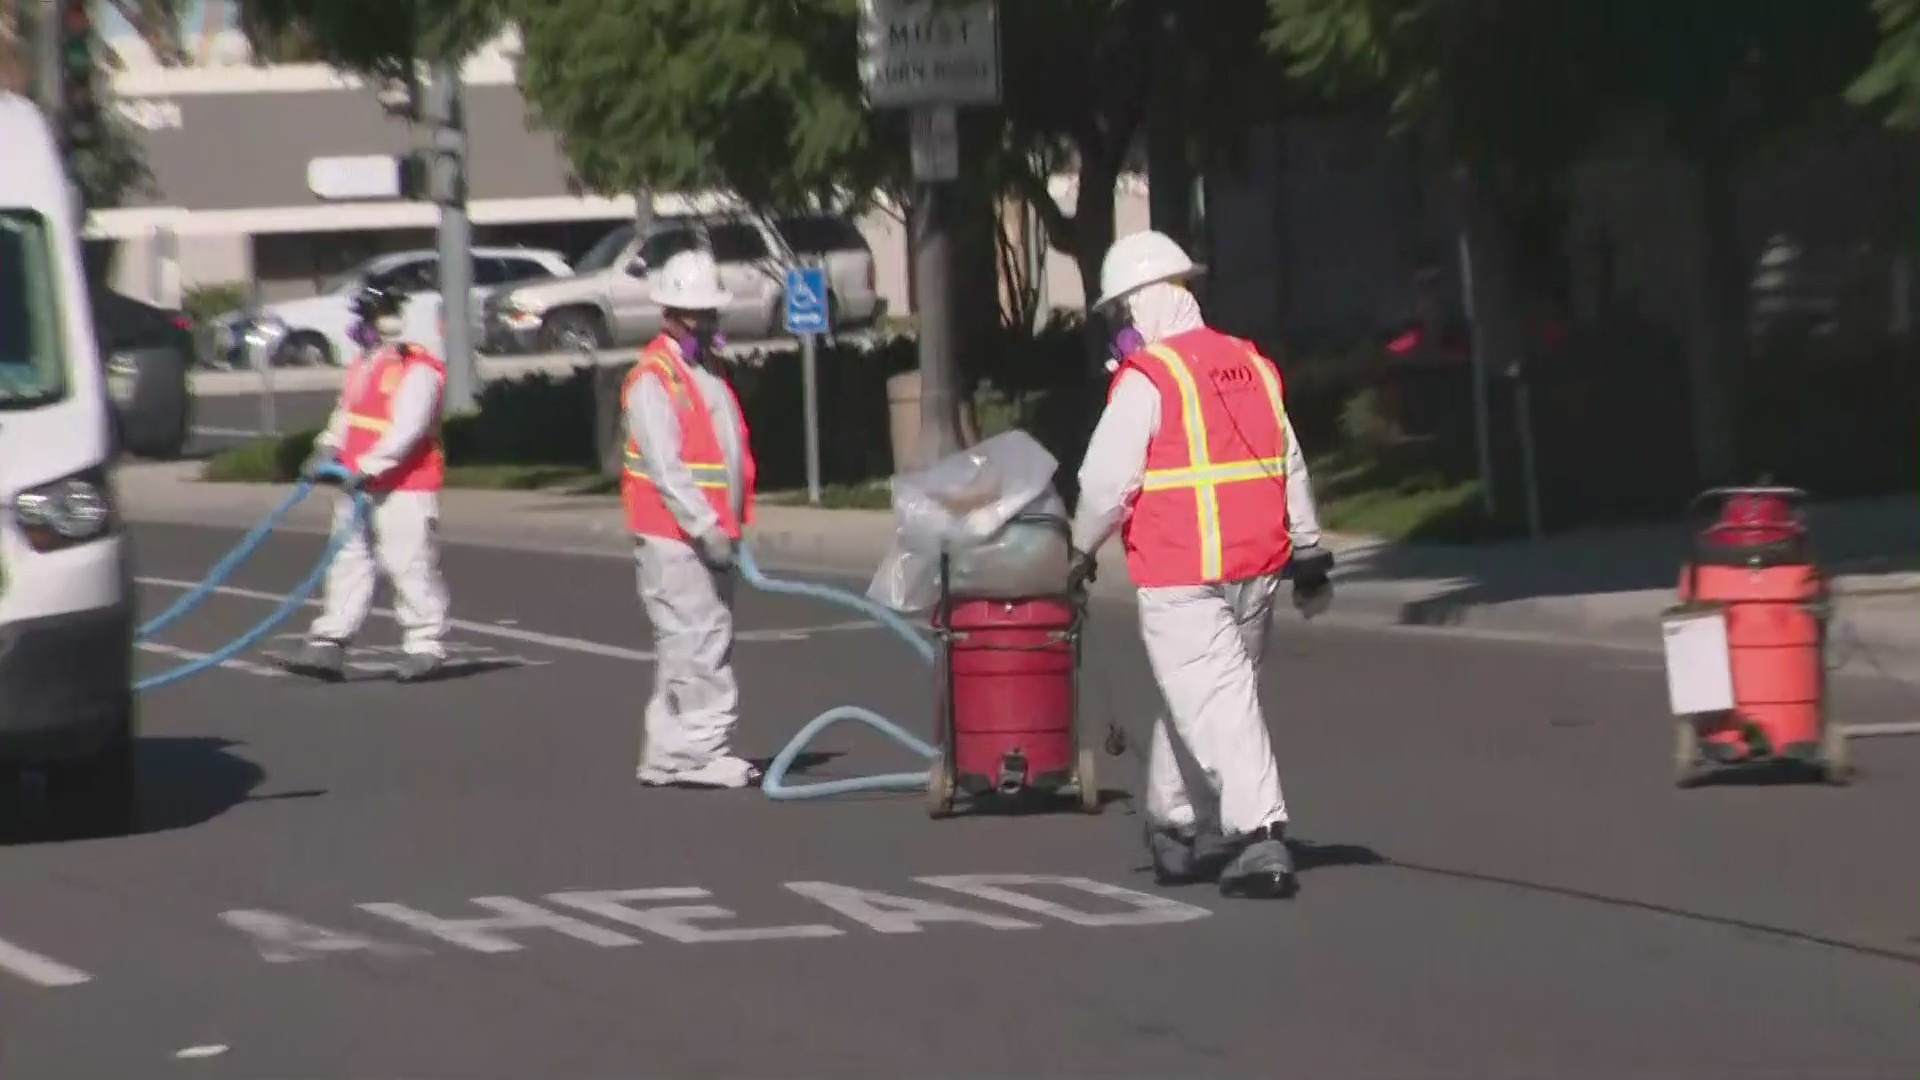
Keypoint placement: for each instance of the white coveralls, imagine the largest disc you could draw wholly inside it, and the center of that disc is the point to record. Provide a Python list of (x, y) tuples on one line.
[(695, 703), (398, 537), (1211, 765)]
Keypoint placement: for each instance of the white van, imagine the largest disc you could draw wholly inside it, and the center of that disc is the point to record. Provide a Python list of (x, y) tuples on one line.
[(66, 584)]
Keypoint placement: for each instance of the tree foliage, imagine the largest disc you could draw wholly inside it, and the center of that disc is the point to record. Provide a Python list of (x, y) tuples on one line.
[(1892, 81)]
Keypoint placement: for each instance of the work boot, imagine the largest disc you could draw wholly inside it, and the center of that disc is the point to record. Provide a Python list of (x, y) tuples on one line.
[(1263, 868), (417, 667), (321, 659), (725, 771), (1184, 855)]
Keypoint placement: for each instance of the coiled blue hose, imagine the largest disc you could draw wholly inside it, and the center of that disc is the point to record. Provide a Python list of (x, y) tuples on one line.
[(224, 569), (774, 783)]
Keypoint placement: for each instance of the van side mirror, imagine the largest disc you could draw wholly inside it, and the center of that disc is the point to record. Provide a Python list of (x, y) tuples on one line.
[(637, 268)]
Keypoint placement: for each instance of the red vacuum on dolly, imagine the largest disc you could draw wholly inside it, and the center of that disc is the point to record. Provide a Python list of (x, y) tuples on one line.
[(1007, 717), (1751, 575)]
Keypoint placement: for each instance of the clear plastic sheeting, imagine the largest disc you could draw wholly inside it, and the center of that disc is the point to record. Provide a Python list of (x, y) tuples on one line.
[(993, 510)]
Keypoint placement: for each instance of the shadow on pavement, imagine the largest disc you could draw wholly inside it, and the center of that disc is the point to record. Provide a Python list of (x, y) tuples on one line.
[(1875, 536), (184, 782)]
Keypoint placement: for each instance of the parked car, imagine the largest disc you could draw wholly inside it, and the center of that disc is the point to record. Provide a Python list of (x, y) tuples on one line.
[(314, 330), (148, 352), (608, 300), (853, 290)]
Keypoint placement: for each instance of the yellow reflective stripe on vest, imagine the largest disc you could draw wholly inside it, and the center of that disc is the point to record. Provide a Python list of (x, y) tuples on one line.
[(704, 475), (1212, 475), (367, 422), (1206, 501)]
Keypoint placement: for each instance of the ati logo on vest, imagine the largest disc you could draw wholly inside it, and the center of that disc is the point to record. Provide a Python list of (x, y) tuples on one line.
[(1238, 377)]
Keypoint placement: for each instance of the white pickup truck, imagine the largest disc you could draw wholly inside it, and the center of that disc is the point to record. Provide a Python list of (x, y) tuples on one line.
[(608, 300)]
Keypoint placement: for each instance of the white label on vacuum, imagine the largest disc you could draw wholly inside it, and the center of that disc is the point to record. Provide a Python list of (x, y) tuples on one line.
[(1699, 665)]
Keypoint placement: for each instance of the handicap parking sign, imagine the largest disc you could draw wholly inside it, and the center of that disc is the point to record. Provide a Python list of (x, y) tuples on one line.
[(806, 300)]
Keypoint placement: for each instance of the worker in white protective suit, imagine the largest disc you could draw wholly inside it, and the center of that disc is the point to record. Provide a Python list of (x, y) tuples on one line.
[(385, 434), (1195, 461), (688, 488)]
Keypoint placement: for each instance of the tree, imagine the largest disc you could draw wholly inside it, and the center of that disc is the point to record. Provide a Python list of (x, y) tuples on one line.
[(1523, 88), (113, 167), (764, 99), (1892, 81), (160, 25)]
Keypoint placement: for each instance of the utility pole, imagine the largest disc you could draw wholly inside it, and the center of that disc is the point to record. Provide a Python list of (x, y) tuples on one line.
[(46, 57), (935, 144), (930, 60), (449, 188)]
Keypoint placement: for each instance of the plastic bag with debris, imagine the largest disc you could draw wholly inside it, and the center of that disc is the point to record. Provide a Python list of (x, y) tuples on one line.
[(993, 510)]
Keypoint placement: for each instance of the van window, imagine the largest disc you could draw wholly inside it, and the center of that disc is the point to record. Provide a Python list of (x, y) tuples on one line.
[(816, 235), (33, 362)]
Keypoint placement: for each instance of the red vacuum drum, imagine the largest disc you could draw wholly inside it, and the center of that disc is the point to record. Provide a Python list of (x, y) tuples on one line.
[(1753, 562), (1008, 690)]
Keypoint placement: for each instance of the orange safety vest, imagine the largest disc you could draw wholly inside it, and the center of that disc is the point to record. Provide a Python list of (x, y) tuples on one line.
[(647, 513), (368, 400), (1212, 504)]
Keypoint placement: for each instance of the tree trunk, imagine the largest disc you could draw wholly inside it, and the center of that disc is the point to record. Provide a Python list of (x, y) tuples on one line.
[(1716, 330)]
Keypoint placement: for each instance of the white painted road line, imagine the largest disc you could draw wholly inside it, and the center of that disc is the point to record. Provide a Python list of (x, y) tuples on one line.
[(38, 970), (1868, 731), (534, 637), (227, 433), (231, 665), (511, 633)]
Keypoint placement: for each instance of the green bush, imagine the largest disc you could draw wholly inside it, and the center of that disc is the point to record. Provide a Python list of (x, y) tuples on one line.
[(202, 303), (262, 461)]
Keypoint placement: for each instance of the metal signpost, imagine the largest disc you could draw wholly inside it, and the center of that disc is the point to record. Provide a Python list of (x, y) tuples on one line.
[(807, 318), (931, 59)]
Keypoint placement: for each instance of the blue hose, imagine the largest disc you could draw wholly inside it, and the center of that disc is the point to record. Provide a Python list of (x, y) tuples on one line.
[(774, 784), (224, 569)]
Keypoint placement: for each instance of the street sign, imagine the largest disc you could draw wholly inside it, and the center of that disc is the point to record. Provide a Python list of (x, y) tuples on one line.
[(366, 176), (916, 52), (806, 300)]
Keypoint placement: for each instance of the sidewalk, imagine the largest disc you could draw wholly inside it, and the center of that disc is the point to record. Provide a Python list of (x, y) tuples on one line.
[(1605, 585)]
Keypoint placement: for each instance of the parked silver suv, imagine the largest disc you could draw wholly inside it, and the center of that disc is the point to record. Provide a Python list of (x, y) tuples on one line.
[(608, 301)]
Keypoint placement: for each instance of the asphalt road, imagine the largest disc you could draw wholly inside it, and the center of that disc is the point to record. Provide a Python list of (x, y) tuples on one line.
[(463, 879)]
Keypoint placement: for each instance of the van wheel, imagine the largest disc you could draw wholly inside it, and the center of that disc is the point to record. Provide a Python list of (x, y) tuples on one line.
[(97, 795)]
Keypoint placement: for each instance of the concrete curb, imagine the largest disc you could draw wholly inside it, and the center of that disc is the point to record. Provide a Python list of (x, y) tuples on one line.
[(1880, 612)]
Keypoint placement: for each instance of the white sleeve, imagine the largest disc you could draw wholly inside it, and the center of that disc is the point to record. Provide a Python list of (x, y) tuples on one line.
[(655, 429), (1303, 517), (415, 404), (1116, 460)]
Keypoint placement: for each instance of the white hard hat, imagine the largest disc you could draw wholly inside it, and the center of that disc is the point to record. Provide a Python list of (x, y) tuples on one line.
[(1140, 259), (690, 281)]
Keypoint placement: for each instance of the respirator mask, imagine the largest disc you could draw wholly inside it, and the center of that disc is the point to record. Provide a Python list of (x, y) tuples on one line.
[(699, 337), (1123, 338)]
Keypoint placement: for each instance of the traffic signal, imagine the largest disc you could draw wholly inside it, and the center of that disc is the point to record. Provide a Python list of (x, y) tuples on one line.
[(79, 104)]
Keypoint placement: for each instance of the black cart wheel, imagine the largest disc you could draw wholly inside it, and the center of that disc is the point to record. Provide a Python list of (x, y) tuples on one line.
[(1086, 777), (939, 788), (1835, 768), (1686, 754)]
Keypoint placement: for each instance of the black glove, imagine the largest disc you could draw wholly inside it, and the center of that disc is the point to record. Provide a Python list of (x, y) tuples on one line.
[(1082, 573), (1312, 573)]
